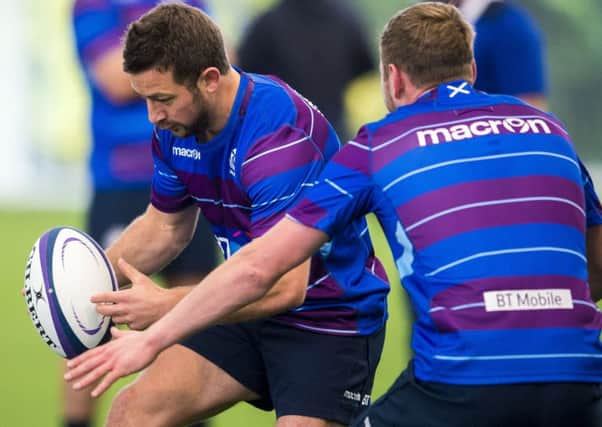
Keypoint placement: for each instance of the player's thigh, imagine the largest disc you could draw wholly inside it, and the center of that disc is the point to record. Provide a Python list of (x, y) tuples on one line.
[(111, 211), (180, 386), (323, 377)]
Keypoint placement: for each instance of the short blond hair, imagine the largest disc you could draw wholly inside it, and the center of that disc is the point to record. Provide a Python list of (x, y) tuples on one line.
[(431, 42)]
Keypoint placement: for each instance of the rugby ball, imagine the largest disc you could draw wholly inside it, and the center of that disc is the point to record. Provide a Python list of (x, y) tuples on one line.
[(64, 269)]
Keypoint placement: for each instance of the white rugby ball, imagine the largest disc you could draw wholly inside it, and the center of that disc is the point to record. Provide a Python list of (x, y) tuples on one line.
[(64, 269)]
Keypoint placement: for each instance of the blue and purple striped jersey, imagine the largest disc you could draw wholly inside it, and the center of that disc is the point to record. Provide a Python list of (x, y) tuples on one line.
[(485, 206), (120, 157), (274, 145)]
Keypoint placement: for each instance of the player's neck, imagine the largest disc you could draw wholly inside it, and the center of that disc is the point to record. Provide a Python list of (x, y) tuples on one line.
[(411, 95)]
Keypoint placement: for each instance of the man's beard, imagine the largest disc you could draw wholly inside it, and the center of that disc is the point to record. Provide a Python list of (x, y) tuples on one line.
[(199, 126)]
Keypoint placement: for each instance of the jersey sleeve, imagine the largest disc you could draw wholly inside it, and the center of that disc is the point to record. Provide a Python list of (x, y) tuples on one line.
[(593, 209), (274, 172), (97, 28), (168, 192), (343, 192)]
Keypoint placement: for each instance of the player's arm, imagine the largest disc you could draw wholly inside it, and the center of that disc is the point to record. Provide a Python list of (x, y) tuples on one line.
[(243, 279), (146, 302), (153, 239), (594, 260), (149, 243), (288, 292), (108, 76)]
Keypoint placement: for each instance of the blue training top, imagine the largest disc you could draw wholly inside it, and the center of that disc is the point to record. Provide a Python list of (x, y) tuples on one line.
[(274, 144), (485, 206), (509, 52), (120, 157)]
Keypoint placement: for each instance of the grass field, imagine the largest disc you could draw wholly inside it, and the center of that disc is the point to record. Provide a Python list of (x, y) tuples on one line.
[(29, 381)]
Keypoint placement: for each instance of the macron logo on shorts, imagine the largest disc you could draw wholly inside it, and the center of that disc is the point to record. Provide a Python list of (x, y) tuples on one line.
[(186, 152), (483, 127)]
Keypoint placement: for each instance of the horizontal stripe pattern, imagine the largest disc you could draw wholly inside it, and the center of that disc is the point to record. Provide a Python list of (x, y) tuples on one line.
[(469, 206), (477, 193), (340, 320), (278, 153), (397, 138)]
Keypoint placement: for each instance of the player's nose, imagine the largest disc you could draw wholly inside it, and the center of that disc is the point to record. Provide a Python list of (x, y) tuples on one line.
[(155, 112)]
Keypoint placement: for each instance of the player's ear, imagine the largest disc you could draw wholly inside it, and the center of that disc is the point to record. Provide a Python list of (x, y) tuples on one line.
[(397, 81), (209, 79), (473, 66)]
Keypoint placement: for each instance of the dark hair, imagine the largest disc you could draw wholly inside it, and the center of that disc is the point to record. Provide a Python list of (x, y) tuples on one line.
[(431, 42), (174, 37)]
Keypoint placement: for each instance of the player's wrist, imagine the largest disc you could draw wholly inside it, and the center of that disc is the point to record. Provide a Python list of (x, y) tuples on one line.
[(154, 339)]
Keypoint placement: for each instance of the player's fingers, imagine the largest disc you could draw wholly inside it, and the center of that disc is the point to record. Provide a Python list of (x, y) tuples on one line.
[(23, 291), (76, 374), (106, 382), (129, 270), (109, 297), (86, 356), (112, 310), (92, 376)]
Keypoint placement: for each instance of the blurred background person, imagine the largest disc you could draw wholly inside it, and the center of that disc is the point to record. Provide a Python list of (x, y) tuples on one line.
[(509, 50), (120, 160), (316, 46)]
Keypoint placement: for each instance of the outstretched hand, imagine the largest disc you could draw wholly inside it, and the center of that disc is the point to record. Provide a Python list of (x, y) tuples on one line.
[(127, 353), (137, 307)]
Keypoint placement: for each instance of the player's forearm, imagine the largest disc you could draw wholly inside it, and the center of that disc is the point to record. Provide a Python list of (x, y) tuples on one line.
[(268, 306), (149, 244), (240, 281), (287, 293)]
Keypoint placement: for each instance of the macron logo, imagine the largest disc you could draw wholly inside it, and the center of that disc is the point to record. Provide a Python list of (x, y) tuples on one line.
[(186, 152), (458, 132)]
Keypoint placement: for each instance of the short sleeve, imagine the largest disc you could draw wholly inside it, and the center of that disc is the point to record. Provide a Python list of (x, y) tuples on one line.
[(168, 192), (275, 171), (343, 192)]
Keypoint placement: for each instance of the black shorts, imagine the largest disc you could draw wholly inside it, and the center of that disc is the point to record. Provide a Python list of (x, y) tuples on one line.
[(111, 211), (295, 372), (414, 403)]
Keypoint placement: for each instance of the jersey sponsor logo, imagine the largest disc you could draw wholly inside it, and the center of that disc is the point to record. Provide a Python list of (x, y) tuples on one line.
[(191, 153), (477, 128), (528, 299)]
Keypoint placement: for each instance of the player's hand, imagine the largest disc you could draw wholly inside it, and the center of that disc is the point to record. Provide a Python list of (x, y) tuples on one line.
[(127, 353), (137, 307)]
